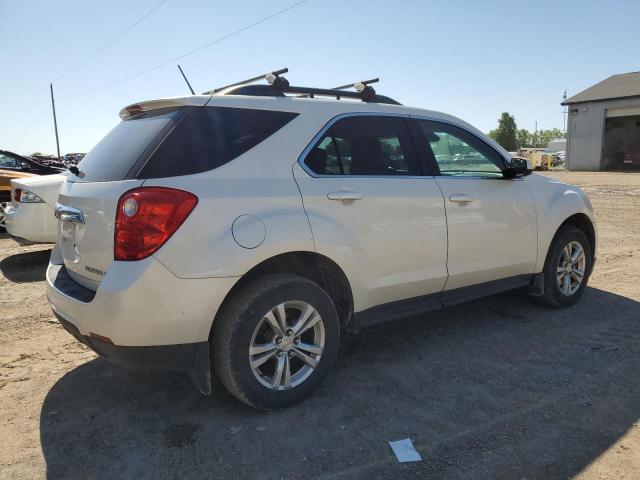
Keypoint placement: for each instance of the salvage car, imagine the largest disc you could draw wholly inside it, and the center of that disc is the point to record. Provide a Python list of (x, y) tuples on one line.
[(30, 217), (5, 191), (240, 231), (13, 165)]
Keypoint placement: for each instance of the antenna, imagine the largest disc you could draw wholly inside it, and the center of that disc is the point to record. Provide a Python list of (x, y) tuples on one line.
[(185, 79)]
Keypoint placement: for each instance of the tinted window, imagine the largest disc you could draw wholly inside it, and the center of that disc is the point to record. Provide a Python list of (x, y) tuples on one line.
[(459, 153), (8, 162), (210, 137), (117, 154), (364, 145)]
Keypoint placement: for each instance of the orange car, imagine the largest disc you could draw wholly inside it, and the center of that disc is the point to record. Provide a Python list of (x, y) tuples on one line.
[(5, 189)]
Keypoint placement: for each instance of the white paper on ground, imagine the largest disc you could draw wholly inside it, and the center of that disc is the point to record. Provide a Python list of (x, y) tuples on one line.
[(404, 450)]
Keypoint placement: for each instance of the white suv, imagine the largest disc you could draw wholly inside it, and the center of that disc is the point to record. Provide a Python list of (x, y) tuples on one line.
[(243, 229)]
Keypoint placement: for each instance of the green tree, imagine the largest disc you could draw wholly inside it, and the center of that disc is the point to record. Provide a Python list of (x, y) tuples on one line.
[(523, 138), (506, 133)]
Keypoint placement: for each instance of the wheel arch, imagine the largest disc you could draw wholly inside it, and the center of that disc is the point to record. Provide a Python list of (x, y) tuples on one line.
[(313, 266), (582, 222)]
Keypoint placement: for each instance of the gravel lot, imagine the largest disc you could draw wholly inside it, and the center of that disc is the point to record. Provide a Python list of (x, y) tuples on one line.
[(499, 388)]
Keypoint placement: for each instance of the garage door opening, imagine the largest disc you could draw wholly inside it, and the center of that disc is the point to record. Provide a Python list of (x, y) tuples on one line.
[(621, 147)]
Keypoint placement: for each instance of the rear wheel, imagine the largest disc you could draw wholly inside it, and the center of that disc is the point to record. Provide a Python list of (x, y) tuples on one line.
[(275, 340), (4, 204), (567, 267)]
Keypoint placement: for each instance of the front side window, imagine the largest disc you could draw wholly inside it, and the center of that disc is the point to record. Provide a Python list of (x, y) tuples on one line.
[(364, 145), (458, 153), (8, 162)]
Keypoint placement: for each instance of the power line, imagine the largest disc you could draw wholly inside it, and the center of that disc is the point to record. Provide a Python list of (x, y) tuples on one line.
[(190, 52), (110, 42), (24, 113)]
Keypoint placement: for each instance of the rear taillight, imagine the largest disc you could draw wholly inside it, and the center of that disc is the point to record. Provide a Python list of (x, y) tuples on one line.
[(147, 217)]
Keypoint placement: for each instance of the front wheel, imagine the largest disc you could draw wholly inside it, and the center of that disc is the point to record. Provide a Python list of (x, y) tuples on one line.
[(275, 340), (567, 268)]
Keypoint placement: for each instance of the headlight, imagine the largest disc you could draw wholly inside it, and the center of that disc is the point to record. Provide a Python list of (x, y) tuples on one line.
[(25, 196)]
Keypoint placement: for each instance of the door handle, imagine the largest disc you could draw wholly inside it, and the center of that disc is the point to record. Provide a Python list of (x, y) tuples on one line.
[(345, 196), (460, 198)]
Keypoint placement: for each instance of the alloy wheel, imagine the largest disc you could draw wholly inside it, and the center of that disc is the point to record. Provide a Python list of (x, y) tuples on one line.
[(3, 209), (287, 345), (571, 268)]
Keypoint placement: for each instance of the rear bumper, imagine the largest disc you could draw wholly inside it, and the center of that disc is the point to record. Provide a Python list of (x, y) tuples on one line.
[(32, 223), (191, 358), (152, 318)]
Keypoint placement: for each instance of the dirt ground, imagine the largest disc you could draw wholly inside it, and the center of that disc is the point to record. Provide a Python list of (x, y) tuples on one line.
[(501, 388)]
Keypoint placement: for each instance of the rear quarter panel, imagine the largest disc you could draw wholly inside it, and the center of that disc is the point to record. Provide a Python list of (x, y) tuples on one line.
[(259, 183)]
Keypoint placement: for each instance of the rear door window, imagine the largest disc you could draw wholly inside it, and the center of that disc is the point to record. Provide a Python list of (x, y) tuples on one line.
[(210, 137), (365, 145)]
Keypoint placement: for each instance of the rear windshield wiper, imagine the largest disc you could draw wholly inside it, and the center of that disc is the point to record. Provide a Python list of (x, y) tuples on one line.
[(76, 171)]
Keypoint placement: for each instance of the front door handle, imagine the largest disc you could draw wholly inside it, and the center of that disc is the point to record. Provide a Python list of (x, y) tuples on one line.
[(344, 196), (460, 198)]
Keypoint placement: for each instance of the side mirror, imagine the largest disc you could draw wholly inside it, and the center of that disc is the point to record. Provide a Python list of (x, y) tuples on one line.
[(518, 167), (25, 166)]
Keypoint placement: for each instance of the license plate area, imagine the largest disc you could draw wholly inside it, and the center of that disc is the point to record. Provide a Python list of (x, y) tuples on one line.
[(68, 247), (71, 229)]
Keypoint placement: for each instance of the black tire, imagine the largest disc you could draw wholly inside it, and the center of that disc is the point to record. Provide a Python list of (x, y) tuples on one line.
[(553, 295), (234, 328)]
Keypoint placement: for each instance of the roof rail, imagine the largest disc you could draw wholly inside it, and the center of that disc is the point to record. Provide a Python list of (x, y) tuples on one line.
[(279, 85)]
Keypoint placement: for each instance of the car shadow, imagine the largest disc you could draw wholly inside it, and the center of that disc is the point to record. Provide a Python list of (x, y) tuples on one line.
[(26, 267), (498, 388)]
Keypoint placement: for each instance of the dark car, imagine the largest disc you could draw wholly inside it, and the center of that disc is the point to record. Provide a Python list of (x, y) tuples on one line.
[(14, 162)]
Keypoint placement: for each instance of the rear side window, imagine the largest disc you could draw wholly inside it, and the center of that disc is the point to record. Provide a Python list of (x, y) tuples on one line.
[(210, 137), (365, 145), (117, 154)]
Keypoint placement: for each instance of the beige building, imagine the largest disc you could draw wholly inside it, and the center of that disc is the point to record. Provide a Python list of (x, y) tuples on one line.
[(604, 125)]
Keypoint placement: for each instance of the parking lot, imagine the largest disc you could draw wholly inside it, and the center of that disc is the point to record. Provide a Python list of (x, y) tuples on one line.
[(499, 388)]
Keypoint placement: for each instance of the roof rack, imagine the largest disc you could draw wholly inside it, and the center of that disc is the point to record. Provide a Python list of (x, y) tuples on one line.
[(273, 78), (279, 85)]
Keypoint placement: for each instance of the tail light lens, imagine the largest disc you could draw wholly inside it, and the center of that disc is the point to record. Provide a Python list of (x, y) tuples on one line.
[(147, 217)]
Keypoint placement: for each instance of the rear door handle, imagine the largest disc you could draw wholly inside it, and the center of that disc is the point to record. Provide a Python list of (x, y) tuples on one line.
[(344, 196), (460, 198)]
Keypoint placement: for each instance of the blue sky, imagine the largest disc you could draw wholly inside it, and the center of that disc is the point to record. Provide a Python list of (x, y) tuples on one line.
[(472, 59)]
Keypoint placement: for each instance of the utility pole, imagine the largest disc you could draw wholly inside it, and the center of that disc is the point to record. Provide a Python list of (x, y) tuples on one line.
[(185, 79), (55, 121)]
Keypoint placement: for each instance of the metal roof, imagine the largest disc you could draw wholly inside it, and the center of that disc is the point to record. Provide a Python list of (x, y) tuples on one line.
[(615, 87)]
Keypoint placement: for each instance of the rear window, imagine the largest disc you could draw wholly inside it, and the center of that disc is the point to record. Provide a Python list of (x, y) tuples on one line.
[(210, 137), (184, 141), (117, 154)]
